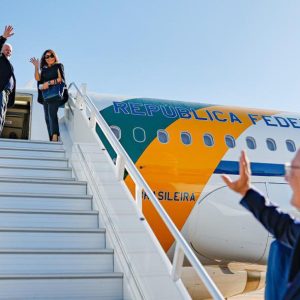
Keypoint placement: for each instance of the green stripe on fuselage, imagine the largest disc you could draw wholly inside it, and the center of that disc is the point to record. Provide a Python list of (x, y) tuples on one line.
[(149, 114)]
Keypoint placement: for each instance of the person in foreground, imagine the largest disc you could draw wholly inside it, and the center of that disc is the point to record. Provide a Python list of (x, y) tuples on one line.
[(278, 270), (282, 226), (7, 77), (52, 73)]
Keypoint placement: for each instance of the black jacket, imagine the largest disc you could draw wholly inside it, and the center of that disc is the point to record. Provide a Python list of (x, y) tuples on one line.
[(6, 72), (285, 229)]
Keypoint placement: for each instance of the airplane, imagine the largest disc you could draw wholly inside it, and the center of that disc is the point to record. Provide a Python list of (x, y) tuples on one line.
[(181, 148)]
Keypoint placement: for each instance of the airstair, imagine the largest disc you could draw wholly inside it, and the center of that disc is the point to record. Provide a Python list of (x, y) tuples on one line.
[(70, 228), (51, 246)]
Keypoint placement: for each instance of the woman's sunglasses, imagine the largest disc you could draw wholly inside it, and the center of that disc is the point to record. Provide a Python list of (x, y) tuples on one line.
[(49, 56)]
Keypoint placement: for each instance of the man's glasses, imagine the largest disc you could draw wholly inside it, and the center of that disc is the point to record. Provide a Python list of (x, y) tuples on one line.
[(288, 168), (49, 56)]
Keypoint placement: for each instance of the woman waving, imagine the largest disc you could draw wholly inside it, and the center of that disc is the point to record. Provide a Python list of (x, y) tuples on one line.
[(49, 74)]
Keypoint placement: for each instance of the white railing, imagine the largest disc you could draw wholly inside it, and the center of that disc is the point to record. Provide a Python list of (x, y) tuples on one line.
[(123, 162)]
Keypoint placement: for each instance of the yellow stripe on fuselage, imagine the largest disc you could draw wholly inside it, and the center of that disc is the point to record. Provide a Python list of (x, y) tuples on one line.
[(175, 167)]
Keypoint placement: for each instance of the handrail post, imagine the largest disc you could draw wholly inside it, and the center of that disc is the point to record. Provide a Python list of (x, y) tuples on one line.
[(139, 197), (79, 101), (120, 166), (92, 122), (80, 96), (83, 88), (177, 263)]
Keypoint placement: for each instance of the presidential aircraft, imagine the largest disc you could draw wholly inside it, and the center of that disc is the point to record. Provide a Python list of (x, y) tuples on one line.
[(181, 148)]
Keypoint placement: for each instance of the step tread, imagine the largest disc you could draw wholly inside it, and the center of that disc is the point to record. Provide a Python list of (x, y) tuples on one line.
[(36, 168), (57, 251), (63, 196), (47, 180), (54, 230), (32, 149), (63, 276), (54, 212), (31, 141), (32, 179), (33, 158)]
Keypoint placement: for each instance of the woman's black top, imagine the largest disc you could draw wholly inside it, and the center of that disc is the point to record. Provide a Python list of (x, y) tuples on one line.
[(50, 73)]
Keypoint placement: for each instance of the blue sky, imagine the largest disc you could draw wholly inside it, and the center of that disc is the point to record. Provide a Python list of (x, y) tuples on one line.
[(229, 52)]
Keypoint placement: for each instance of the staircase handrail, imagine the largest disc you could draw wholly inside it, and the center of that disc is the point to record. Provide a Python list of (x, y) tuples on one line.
[(124, 162)]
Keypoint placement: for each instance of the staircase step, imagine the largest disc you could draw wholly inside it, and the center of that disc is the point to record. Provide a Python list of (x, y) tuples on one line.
[(44, 201), (31, 144), (27, 171), (51, 246), (48, 219), (55, 261), (34, 178), (108, 286), (33, 161), (54, 187), (27, 152), (51, 238)]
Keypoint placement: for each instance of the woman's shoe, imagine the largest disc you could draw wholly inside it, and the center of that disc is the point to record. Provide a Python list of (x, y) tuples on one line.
[(54, 137)]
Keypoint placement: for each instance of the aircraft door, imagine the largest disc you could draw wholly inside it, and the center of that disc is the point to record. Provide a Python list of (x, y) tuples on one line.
[(17, 121)]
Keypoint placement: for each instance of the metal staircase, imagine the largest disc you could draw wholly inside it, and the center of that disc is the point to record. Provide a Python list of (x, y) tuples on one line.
[(51, 246)]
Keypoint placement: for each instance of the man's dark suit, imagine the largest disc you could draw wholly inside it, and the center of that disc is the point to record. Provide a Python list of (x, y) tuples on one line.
[(6, 72), (277, 276), (285, 229)]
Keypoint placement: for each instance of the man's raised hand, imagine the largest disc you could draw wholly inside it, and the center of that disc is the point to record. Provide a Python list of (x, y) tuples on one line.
[(242, 184), (8, 31)]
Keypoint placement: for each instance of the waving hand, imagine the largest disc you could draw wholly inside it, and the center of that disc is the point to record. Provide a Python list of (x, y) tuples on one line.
[(242, 184), (8, 31)]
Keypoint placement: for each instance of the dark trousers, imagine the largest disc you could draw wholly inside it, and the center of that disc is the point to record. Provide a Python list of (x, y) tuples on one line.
[(50, 110), (3, 108)]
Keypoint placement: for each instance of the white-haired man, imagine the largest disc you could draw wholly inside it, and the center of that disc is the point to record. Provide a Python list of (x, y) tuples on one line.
[(7, 77), (282, 226)]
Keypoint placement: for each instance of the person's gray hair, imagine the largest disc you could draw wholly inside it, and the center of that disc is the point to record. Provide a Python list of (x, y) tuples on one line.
[(7, 44)]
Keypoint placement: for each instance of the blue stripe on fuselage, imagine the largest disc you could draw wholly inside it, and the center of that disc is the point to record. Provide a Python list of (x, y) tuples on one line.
[(257, 169)]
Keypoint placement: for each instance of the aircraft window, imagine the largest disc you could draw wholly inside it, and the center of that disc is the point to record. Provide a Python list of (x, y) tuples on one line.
[(230, 141), (290, 145), (251, 142), (185, 138), (208, 140), (139, 134), (271, 144), (163, 136), (117, 131)]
